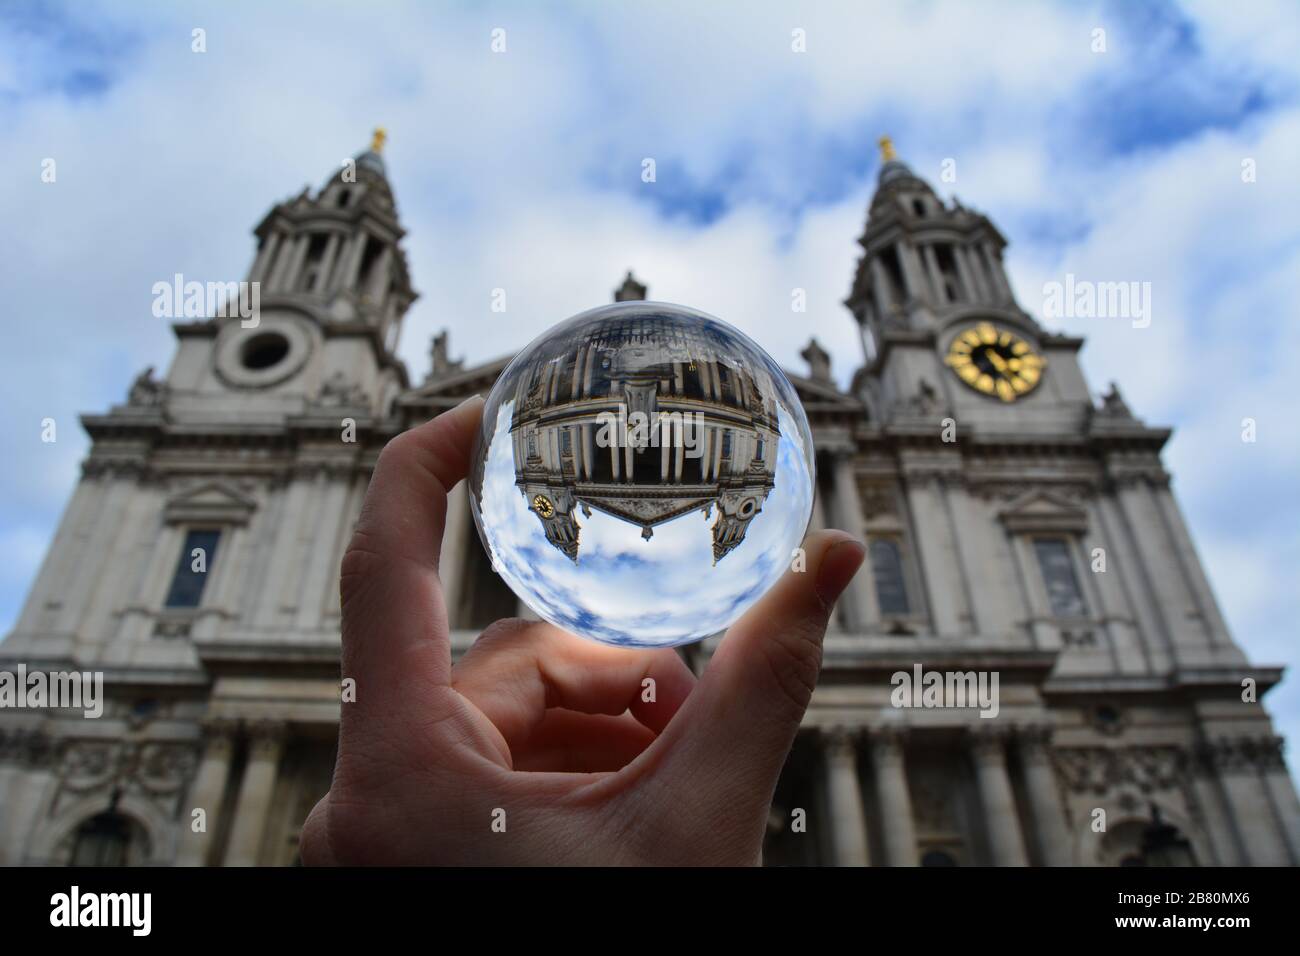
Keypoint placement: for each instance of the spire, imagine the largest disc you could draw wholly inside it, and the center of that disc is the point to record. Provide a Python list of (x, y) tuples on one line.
[(371, 158), (630, 290), (891, 167), (922, 258), (340, 248)]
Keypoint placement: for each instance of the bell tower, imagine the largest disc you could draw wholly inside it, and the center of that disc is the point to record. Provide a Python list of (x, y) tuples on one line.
[(942, 332), (333, 287)]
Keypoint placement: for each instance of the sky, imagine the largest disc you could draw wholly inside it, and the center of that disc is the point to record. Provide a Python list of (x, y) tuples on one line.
[(521, 170)]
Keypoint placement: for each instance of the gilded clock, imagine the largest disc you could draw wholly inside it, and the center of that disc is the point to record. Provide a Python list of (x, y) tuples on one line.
[(542, 505), (995, 361)]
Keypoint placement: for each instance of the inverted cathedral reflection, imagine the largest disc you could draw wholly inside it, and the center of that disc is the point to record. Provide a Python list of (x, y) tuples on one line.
[(648, 421)]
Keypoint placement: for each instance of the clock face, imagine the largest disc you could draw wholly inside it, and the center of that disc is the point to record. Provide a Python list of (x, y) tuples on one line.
[(542, 505), (995, 361)]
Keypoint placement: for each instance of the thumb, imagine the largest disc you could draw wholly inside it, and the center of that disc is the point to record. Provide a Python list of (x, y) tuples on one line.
[(730, 739)]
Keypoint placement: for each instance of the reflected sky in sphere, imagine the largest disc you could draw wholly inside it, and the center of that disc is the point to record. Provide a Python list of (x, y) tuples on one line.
[(644, 473)]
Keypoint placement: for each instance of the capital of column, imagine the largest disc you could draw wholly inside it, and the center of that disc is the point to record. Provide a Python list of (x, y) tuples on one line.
[(1034, 743), (988, 743), (219, 734), (27, 748), (265, 737), (1243, 754), (887, 742), (840, 741)]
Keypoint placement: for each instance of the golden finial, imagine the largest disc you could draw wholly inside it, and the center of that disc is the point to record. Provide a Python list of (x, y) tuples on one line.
[(887, 149), (377, 144)]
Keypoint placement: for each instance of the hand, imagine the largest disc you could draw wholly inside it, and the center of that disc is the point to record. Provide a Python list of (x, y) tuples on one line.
[(537, 729)]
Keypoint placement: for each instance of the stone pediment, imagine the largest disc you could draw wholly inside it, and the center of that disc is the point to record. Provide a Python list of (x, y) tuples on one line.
[(213, 502), (458, 384), (823, 395), (646, 511), (1044, 511)]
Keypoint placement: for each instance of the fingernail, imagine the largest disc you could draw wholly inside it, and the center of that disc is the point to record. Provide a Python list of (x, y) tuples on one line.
[(838, 566), (476, 396)]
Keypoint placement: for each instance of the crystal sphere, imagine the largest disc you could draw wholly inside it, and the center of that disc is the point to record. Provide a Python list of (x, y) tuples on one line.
[(643, 474)]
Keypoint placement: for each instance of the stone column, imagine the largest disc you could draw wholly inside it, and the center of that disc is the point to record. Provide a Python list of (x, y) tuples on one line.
[(452, 557), (983, 282), (1002, 288), (322, 572), (276, 596), (880, 288), (999, 803), (1238, 761), (322, 282), (351, 263), (266, 742), (941, 576), (936, 275), (913, 272), (1044, 796), (858, 602), (896, 822), (1215, 815), (27, 764), (290, 264), (265, 256), (964, 276), (378, 287), (848, 822), (1282, 792), (206, 792)]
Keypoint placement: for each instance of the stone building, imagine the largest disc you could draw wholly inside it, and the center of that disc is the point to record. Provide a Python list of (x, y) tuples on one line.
[(968, 453)]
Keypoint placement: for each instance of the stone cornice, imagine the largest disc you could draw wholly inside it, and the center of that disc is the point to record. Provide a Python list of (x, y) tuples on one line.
[(1243, 754), (1199, 682)]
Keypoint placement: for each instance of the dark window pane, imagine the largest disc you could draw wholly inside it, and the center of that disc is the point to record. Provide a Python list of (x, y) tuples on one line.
[(187, 584), (1058, 575), (937, 858), (102, 840), (887, 570)]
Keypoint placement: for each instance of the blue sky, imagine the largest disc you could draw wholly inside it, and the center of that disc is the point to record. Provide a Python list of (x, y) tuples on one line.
[(522, 171)]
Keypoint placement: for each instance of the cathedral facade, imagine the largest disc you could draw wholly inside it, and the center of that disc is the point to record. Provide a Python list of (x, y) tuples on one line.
[(1015, 528)]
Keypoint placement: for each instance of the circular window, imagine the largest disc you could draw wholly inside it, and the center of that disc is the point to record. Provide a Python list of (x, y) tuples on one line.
[(1108, 718), (748, 507), (271, 352), (264, 351)]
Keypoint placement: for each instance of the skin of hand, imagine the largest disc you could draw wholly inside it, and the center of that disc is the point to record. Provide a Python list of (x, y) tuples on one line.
[(537, 730)]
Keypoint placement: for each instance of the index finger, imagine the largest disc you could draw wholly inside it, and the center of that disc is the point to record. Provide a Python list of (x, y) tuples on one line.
[(395, 633)]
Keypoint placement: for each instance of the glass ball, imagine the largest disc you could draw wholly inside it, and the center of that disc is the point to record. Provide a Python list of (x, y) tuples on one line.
[(643, 474)]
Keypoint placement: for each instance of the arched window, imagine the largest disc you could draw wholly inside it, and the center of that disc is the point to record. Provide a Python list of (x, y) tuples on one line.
[(1058, 577), (191, 573), (887, 571), (103, 840)]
